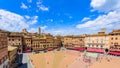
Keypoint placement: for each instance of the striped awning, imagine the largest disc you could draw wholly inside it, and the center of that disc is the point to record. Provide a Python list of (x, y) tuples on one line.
[(114, 53), (98, 50)]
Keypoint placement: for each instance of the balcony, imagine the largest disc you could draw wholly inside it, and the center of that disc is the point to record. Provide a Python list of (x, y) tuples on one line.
[(95, 43)]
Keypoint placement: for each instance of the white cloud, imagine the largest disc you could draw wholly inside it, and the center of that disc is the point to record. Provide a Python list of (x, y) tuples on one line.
[(41, 6), (64, 31), (85, 19), (13, 22), (49, 20), (33, 30), (97, 3), (33, 20), (56, 31), (27, 17), (23, 6), (109, 21), (105, 5), (43, 27)]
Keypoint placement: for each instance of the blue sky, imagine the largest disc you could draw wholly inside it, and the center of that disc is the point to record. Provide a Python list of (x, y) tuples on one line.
[(60, 16)]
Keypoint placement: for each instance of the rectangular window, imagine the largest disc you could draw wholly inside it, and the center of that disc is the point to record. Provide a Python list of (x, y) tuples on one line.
[(111, 38), (9, 39), (97, 46), (19, 39), (12, 39), (0, 62), (92, 45)]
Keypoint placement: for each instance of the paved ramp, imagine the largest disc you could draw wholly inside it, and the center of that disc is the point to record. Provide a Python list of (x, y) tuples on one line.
[(26, 61)]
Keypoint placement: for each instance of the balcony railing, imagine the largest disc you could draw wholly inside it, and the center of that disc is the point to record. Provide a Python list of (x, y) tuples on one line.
[(96, 43)]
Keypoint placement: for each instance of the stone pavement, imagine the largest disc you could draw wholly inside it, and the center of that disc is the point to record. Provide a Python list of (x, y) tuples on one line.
[(26, 62)]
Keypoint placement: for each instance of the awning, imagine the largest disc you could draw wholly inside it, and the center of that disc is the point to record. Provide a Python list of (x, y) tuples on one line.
[(28, 50), (49, 49), (77, 48), (98, 50), (114, 53)]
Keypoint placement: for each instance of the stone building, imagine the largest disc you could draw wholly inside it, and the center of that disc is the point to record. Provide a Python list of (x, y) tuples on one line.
[(100, 40), (39, 44), (97, 42), (16, 39), (3, 49), (67, 41), (78, 41), (27, 42), (44, 42), (12, 56), (58, 41), (114, 40), (73, 41)]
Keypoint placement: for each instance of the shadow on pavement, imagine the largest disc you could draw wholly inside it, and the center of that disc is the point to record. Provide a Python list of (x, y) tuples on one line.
[(20, 58), (24, 65)]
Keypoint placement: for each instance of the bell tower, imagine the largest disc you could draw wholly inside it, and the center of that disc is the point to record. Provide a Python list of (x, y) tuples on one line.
[(39, 30)]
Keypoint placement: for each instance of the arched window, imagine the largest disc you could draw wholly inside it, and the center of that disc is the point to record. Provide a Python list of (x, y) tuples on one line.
[(116, 38)]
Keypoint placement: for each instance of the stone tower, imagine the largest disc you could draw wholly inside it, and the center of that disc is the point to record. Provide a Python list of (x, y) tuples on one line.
[(39, 30)]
